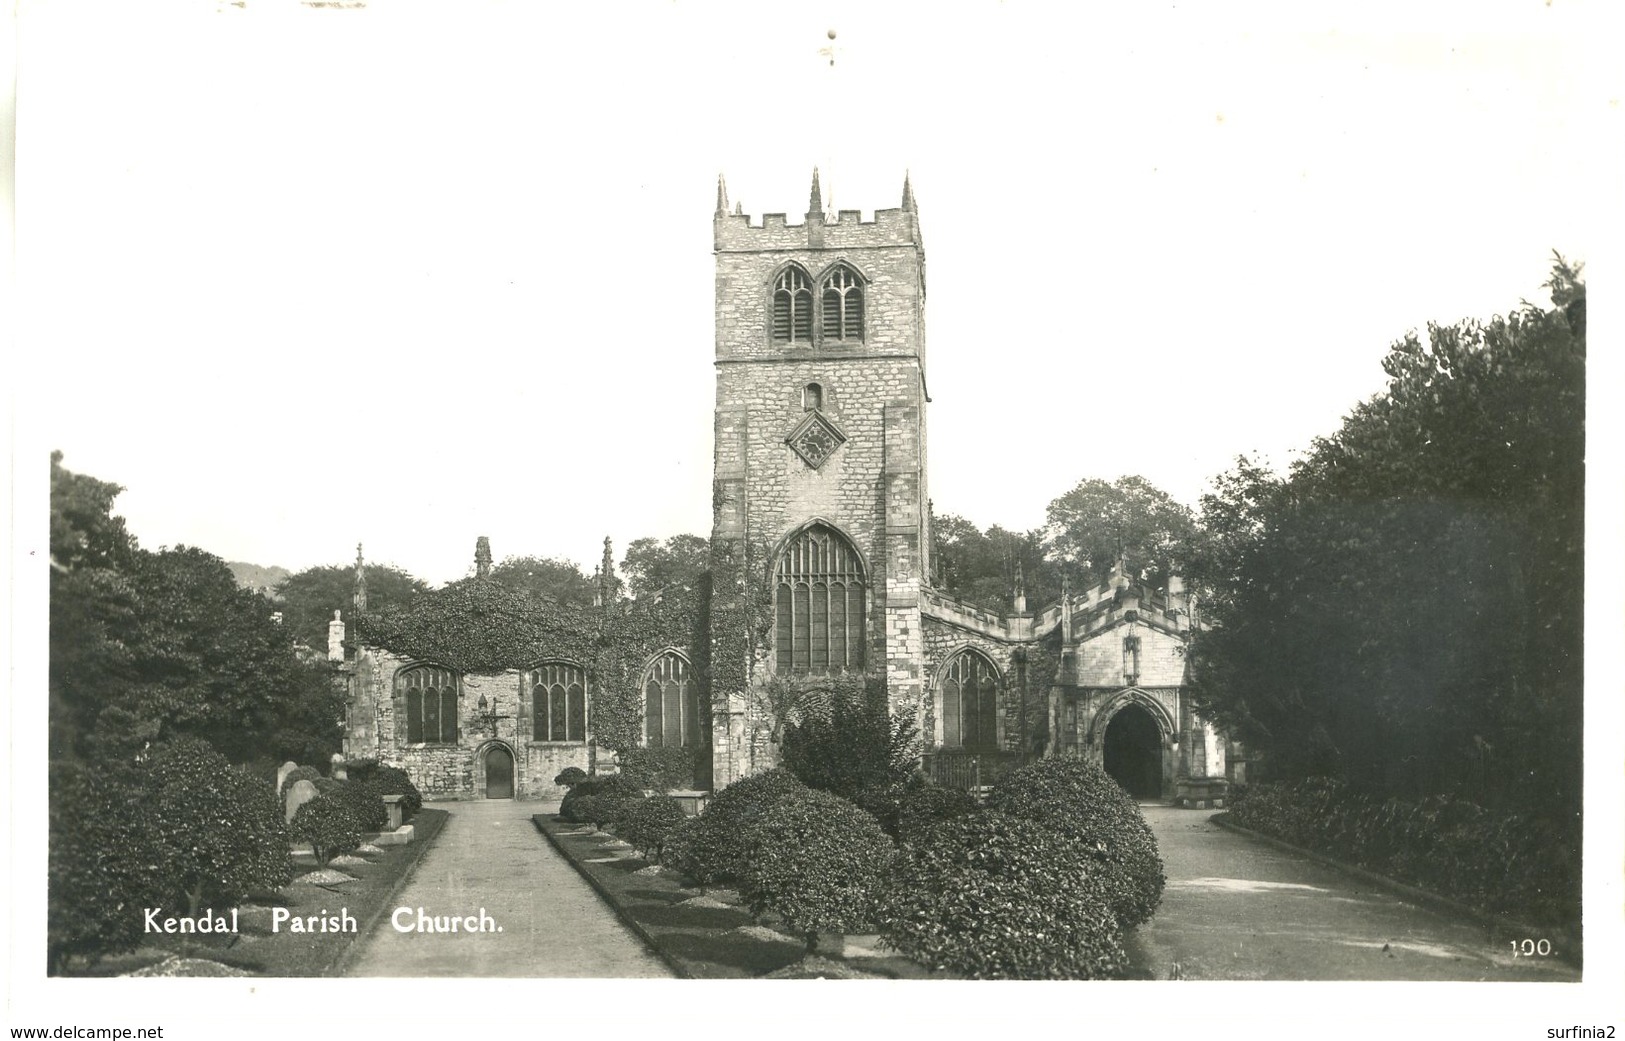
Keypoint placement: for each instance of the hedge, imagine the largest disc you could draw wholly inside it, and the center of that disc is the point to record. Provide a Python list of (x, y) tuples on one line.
[(660, 769), (817, 861), (1524, 867), (1079, 800), (103, 865), (990, 896)]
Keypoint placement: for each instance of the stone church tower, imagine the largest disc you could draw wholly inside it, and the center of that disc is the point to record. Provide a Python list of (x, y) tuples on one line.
[(820, 530)]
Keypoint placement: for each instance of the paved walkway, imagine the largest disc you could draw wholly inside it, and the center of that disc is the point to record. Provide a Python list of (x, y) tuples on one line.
[(490, 856), (1236, 909)]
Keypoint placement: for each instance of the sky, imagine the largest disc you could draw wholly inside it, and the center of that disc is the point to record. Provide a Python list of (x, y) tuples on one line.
[(299, 278), (407, 272)]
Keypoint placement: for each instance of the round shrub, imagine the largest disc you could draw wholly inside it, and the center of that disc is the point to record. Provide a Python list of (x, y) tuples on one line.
[(103, 865), (649, 822), (617, 793), (390, 780), (924, 805), (990, 896), (1079, 800), (328, 825), (817, 861), (298, 773), (712, 847), (219, 833), (570, 776)]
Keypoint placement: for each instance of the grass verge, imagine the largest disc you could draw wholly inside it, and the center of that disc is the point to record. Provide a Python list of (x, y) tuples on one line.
[(705, 933)]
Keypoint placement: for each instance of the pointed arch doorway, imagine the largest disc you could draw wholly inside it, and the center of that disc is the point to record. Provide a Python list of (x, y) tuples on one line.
[(498, 773), (1132, 752)]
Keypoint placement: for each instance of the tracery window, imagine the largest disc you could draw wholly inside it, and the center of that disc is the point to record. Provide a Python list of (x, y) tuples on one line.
[(842, 315), (430, 693), (970, 695), (819, 607), (792, 307), (558, 700), (671, 704)]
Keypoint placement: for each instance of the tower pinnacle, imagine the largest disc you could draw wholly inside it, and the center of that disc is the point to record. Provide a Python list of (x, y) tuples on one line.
[(815, 198), (722, 196)]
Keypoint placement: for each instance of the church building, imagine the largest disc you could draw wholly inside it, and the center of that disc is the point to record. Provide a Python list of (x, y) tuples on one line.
[(819, 582)]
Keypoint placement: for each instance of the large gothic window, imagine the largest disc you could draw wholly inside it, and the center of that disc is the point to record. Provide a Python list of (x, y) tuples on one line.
[(430, 694), (842, 317), (792, 307), (671, 704), (558, 702), (818, 604), (970, 697)]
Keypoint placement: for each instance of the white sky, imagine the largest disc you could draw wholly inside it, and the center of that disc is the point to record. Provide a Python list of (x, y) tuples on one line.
[(299, 278), (418, 272)]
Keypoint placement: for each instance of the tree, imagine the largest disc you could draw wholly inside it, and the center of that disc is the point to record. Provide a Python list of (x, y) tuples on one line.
[(562, 580), (1404, 610), (1096, 523), (149, 646), (309, 598), (652, 565)]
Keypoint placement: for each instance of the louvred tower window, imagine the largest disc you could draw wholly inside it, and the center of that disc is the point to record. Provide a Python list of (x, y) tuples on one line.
[(842, 306), (792, 307)]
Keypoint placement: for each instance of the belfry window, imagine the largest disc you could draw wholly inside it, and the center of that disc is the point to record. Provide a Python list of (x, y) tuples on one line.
[(970, 697), (819, 595), (430, 693), (558, 700), (671, 704), (792, 307), (842, 306)]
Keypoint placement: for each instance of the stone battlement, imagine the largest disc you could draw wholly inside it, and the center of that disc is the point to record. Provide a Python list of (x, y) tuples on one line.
[(893, 227)]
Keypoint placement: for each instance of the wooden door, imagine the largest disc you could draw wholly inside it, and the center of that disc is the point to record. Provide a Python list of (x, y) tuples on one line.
[(498, 773)]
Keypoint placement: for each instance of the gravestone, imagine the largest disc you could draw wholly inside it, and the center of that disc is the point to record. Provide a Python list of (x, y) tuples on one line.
[(336, 769), (302, 792), (282, 773)]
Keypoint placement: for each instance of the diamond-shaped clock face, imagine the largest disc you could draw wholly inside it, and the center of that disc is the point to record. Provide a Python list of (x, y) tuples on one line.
[(815, 439)]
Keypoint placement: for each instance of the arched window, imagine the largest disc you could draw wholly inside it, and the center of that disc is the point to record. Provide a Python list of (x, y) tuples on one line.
[(671, 704), (970, 703), (558, 701), (812, 396), (843, 306), (430, 693), (819, 604), (792, 307)]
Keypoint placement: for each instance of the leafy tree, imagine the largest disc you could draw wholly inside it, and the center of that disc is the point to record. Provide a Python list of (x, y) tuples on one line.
[(1097, 522), (651, 565), (547, 576), (309, 598), (1404, 609), (151, 646)]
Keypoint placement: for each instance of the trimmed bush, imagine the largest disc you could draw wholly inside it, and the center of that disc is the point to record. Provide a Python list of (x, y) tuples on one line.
[(924, 805), (329, 825), (649, 822), (660, 769), (298, 773), (391, 780), (617, 793), (1079, 800), (219, 833), (713, 847), (570, 776), (103, 865), (817, 861), (1509, 864), (990, 896)]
